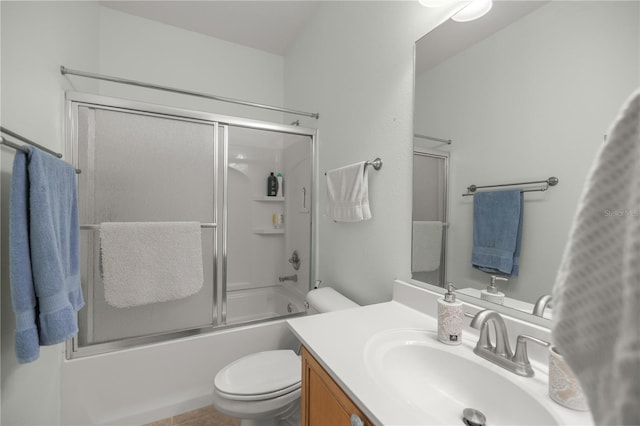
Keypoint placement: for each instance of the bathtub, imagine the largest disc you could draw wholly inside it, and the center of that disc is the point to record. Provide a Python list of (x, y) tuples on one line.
[(140, 385), (244, 305)]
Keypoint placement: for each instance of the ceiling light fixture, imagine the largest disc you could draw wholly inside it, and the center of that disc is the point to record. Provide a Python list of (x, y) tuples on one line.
[(474, 10)]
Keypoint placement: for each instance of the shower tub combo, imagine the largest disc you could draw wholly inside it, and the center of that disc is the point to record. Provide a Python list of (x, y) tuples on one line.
[(138, 364)]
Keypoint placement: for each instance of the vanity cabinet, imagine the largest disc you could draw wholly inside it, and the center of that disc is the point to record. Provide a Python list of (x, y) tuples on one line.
[(324, 403)]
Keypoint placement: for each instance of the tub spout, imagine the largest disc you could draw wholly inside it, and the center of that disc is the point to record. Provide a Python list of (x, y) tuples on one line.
[(293, 278)]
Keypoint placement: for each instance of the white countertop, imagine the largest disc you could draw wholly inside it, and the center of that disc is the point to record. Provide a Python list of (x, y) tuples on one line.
[(338, 341)]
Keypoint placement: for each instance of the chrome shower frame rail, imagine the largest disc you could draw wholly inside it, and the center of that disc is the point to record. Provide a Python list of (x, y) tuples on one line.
[(67, 71), (552, 181)]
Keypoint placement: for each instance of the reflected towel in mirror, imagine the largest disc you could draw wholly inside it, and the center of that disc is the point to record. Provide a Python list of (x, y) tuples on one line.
[(497, 231), (427, 246)]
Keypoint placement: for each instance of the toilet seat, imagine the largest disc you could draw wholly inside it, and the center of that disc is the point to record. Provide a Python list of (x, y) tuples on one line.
[(260, 376)]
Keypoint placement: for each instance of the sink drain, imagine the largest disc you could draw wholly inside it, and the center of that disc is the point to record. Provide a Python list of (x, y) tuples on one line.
[(473, 417)]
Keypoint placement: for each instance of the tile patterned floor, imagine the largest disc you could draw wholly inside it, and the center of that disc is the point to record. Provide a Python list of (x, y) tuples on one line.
[(207, 416)]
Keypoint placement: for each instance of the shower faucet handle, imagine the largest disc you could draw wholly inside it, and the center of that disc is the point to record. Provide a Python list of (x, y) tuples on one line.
[(295, 260)]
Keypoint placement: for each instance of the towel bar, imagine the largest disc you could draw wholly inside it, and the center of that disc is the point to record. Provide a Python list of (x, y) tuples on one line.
[(94, 227), (375, 163), (17, 147)]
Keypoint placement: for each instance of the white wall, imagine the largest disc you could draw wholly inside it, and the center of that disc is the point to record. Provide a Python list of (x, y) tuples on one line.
[(354, 64), (140, 49), (37, 37), (532, 101)]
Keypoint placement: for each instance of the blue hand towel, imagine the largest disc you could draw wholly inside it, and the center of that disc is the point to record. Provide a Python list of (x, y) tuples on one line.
[(44, 250), (497, 231)]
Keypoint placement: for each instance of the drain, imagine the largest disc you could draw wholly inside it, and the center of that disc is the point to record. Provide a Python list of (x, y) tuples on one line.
[(473, 417)]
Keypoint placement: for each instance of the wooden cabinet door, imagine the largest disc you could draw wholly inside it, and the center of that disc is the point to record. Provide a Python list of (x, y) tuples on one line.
[(323, 401)]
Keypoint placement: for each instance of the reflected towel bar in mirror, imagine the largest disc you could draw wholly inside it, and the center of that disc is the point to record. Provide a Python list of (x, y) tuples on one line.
[(432, 138), (552, 181)]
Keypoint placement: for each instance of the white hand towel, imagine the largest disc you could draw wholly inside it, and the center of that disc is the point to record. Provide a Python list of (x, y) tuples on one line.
[(348, 193), (597, 292), (427, 246), (150, 262)]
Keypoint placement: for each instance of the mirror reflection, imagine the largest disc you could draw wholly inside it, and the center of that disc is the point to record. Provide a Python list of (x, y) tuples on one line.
[(525, 93)]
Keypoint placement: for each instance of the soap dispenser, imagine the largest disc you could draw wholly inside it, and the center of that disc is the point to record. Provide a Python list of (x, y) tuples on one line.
[(492, 294), (450, 316)]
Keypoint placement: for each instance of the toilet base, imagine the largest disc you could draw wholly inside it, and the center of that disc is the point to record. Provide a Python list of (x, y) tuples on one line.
[(290, 418), (280, 411)]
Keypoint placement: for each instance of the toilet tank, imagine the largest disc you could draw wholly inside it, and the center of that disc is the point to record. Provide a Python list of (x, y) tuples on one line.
[(326, 299)]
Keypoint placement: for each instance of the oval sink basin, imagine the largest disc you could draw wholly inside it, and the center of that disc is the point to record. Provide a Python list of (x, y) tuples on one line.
[(443, 380)]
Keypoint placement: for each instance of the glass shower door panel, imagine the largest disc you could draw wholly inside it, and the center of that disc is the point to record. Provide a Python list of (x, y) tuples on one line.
[(143, 168), (259, 278)]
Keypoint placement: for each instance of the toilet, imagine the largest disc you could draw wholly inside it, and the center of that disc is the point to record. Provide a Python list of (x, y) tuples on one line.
[(263, 389)]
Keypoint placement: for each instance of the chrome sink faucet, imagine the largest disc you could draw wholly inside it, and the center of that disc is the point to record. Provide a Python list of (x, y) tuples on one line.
[(500, 353), (541, 304)]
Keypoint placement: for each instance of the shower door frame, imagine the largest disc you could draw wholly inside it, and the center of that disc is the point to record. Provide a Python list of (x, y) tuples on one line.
[(445, 156), (220, 123)]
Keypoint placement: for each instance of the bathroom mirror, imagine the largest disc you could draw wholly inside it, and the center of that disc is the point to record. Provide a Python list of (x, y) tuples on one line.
[(525, 93)]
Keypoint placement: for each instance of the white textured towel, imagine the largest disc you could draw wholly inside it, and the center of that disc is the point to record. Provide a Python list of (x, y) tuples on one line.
[(597, 292), (348, 193), (426, 246), (149, 262)]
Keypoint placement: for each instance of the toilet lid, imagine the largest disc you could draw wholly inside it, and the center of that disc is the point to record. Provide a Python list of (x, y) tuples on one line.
[(260, 375)]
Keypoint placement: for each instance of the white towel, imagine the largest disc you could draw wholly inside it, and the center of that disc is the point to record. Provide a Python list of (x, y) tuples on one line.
[(149, 262), (597, 292), (427, 246), (348, 193)]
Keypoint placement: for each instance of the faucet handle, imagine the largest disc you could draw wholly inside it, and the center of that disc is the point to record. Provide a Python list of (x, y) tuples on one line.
[(521, 358)]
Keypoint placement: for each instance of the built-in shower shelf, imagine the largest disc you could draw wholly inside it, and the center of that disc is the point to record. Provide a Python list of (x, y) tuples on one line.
[(268, 231), (268, 199)]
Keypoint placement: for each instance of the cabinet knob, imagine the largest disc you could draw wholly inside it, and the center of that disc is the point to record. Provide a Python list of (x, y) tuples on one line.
[(356, 420)]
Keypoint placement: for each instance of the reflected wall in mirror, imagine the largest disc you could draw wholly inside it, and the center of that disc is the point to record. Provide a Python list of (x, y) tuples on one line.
[(525, 93)]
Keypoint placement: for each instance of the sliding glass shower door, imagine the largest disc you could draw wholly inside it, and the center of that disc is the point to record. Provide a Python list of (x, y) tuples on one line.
[(143, 168), (145, 164)]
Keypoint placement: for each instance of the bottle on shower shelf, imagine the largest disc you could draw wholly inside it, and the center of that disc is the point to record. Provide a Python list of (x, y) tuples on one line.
[(280, 192), (272, 185)]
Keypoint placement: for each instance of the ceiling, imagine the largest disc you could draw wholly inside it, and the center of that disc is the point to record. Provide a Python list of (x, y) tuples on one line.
[(453, 37), (272, 25), (266, 25)]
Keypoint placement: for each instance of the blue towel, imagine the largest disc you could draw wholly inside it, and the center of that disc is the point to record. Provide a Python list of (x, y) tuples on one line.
[(44, 252), (497, 231)]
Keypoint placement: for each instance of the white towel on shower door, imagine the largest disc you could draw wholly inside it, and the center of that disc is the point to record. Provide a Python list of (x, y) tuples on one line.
[(150, 262), (348, 193)]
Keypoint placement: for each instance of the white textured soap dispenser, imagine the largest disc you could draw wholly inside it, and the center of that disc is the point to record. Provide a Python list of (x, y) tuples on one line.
[(492, 294), (450, 316)]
